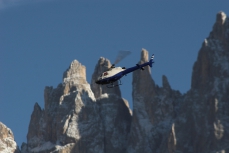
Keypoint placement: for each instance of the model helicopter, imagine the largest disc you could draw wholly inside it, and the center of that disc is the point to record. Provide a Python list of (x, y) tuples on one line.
[(114, 74)]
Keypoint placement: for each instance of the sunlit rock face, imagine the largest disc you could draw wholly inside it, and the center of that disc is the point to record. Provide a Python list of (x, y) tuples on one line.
[(7, 143), (152, 125), (98, 90), (166, 121), (68, 109), (206, 105), (213, 56), (73, 120)]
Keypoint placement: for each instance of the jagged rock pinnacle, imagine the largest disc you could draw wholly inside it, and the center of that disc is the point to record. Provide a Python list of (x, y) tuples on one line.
[(75, 74), (220, 18), (102, 65), (165, 82), (7, 143), (214, 47), (144, 55), (220, 30), (141, 79), (74, 121)]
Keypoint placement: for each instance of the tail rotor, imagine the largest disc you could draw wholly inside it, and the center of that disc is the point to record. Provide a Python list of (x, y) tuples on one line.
[(151, 61)]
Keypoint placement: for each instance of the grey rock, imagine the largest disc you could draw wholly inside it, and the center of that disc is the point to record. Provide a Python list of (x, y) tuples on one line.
[(102, 65), (74, 121), (7, 143)]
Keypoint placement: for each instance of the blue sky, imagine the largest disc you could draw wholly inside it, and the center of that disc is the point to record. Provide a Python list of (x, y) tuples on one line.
[(39, 39)]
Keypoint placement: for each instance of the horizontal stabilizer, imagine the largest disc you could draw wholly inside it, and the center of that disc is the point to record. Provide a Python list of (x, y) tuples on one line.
[(142, 68)]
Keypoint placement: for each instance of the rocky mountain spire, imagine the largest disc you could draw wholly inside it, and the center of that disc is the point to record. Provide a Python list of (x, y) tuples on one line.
[(7, 143), (66, 110), (220, 28), (205, 106), (73, 120), (102, 65), (165, 83), (141, 79), (153, 110), (215, 47), (36, 132), (75, 74)]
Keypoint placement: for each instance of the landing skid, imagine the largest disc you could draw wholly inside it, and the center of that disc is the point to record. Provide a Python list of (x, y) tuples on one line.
[(114, 84)]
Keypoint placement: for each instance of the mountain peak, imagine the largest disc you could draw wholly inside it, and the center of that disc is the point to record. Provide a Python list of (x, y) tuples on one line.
[(144, 55), (75, 74), (7, 143), (220, 30), (141, 79), (215, 48), (165, 82), (102, 65), (221, 17)]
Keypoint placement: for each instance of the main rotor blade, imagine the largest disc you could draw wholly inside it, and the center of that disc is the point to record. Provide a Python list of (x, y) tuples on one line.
[(121, 55)]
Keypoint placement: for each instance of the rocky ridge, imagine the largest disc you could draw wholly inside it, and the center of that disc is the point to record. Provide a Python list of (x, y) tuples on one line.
[(153, 112), (7, 143), (82, 117), (73, 120), (166, 121), (207, 102)]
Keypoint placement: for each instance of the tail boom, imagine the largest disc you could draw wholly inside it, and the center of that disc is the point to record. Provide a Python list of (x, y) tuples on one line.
[(139, 66)]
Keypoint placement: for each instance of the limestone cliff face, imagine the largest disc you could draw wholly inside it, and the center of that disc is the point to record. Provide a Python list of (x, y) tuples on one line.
[(198, 121), (153, 112), (102, 65), (213, 55), (206, 105), (7, 143), (73, 120)]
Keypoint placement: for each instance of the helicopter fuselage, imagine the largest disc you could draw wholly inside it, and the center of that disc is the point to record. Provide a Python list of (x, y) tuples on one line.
[(115, 73), (110, 76)]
